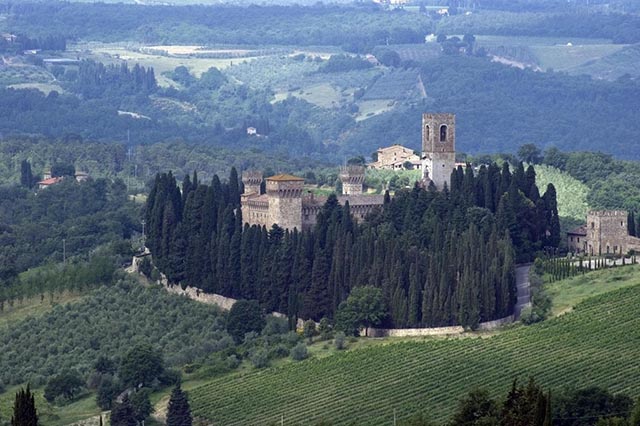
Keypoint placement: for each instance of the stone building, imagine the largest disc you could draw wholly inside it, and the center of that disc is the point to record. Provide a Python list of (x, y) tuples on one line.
[(605, 232), (438, 149), (577, 240), (394, 157), (289, 205)]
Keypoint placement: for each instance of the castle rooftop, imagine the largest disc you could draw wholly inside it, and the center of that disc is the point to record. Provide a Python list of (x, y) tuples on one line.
[(285, 178)]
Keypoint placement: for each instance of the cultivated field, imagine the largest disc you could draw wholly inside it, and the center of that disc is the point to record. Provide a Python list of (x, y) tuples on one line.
[(573, 55), (596, 344), (571, 193)]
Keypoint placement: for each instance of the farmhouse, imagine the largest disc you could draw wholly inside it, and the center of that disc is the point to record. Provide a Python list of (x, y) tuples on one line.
[(394, 157), (605, 232), (46, 183)]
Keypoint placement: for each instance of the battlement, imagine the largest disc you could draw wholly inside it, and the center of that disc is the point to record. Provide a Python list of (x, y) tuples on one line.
[(251, 177), (353, 174), (285, 186), (252, 181), (608, 213), (352, 178)]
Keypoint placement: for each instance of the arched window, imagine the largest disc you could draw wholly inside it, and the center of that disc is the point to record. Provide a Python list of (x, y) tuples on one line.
[(427, 133), (443, 133)]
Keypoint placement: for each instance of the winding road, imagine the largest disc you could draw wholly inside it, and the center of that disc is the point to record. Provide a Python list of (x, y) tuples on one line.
[(522, 283)]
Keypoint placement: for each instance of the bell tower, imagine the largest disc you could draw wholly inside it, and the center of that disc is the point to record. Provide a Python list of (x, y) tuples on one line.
[(438, 149)]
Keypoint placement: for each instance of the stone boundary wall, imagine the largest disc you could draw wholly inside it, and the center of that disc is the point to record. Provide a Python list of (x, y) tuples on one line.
[(226, 303), (435, 331)]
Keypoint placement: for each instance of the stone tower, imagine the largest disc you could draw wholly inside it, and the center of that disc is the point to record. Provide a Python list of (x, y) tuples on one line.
[(285, 200), (252, 181), (607, 232), (352, 178), (438, 148)]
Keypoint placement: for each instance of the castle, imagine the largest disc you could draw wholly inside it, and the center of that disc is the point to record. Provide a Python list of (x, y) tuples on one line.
[(605, 232), (288, 204)]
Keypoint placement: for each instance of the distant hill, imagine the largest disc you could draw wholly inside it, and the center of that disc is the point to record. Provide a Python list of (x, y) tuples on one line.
[(611, 67), (596, 344)]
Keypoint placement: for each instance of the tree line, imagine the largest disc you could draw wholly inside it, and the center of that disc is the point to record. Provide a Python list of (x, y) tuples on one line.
[(19, 43), (440, 258)]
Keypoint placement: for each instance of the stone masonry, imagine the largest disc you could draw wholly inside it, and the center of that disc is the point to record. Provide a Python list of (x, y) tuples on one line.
[(607, 233), (438, 149), (352, 178)]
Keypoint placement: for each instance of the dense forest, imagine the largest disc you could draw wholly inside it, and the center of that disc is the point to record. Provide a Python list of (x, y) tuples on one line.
[(440, 258), (357, 26), (68, 219)]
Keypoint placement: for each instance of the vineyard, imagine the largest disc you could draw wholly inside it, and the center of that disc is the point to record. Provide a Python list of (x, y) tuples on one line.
[(596, 344)]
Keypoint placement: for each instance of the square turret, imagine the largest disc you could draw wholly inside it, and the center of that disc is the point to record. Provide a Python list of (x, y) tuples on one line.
[(438, 148)]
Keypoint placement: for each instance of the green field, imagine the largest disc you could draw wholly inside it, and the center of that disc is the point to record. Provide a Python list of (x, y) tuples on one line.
[(595, 344), (111, 53), (568, 293), (566, 58)]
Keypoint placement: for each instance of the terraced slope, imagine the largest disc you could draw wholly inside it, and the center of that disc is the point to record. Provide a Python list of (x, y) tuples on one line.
[(596, 344)]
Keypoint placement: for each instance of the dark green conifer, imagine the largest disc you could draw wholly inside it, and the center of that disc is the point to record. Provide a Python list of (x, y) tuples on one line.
[(178, 411)]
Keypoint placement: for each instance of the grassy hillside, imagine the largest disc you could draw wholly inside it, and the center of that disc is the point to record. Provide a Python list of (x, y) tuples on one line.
[(596, 344), (571, 193)]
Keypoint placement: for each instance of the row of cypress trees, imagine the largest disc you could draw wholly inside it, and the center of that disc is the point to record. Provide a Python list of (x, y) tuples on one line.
[(440, 258)]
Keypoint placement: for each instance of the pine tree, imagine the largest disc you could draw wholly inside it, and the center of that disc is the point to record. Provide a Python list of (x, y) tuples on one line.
[(122, 413), (24, 409), (178, 412)]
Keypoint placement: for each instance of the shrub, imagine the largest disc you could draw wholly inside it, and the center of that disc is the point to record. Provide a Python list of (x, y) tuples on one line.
[(275, 325), (309, 330), (340, 340), (279, 351), (260, 358), (233, 362), (299, 352)]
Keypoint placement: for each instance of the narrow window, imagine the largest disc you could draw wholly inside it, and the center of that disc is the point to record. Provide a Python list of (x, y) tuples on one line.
[(443, 133)]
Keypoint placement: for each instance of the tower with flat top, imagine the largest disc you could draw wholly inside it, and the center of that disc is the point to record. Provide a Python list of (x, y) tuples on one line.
[(438, 149), (285, 200)]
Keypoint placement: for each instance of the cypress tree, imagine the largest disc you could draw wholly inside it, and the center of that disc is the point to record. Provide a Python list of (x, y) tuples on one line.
[(122, 413), (26, 176), (414, 296), (24, 409), (178, 411), (548, 416)]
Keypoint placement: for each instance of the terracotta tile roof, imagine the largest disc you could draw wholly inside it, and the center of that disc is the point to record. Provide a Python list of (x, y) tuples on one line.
[(284, 178), (580, 230), (50, 181)]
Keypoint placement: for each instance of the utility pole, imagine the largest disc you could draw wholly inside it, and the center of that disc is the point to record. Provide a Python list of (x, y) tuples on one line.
[(64, 251)]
